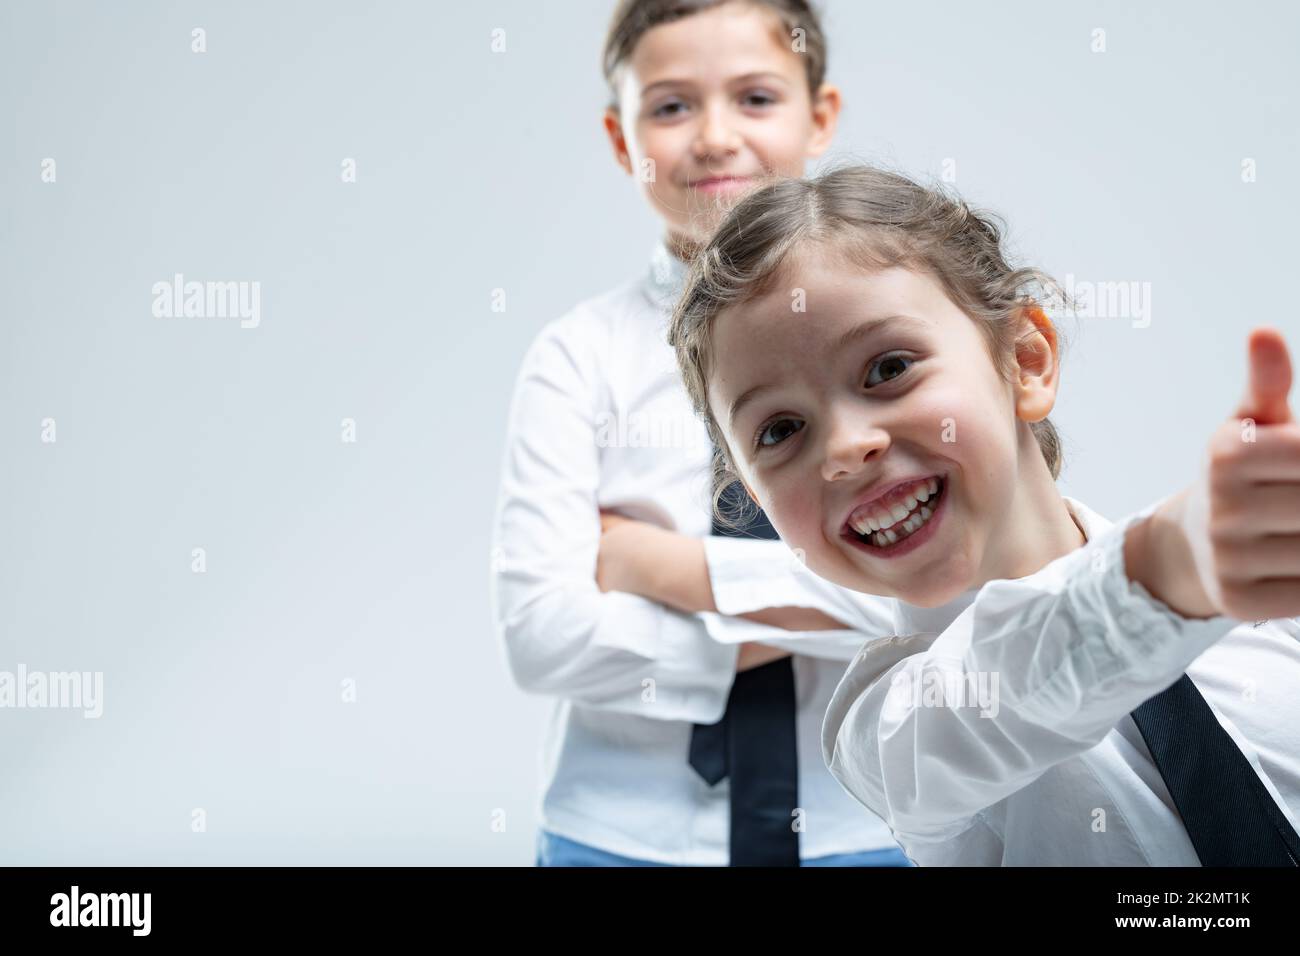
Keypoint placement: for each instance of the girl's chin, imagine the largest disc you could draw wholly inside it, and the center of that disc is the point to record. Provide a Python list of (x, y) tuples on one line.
[(936, 596)]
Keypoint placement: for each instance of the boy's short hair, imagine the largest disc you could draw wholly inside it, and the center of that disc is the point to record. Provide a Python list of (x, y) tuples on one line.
[(633, 18)]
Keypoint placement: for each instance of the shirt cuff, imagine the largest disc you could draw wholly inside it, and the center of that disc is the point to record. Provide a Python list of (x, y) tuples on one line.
[(749, 574), (692, 671), (1136, 624), (837, 645)]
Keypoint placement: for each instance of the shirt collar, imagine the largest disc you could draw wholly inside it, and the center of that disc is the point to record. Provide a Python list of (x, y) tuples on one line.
[(910, 619), (665, 277)]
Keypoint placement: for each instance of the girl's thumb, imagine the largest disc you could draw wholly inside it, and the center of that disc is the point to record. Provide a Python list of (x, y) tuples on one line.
[(1268, 379)]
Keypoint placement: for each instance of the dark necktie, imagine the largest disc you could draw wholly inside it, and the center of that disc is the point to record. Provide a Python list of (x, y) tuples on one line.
[(1230, 816), (754, 744)]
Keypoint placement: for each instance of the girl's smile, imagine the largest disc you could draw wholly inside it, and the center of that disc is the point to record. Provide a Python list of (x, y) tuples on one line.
[(900, 521)]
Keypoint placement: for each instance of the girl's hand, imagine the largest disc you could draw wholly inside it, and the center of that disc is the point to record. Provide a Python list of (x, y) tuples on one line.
[(1230, 544)]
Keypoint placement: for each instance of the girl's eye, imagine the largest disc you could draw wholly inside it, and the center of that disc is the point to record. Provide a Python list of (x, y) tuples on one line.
[(777, 431), (892, 364), (662, 109)]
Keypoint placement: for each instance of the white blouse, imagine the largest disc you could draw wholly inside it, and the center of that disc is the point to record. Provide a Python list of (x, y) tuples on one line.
[(995, 730)]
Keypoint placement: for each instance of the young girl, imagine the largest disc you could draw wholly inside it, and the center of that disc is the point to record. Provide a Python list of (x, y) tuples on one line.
[(662, 747), (1060, 690)]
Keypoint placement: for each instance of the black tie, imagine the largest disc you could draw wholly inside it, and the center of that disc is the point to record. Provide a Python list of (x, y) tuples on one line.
[(1230, 816), (754, 744)]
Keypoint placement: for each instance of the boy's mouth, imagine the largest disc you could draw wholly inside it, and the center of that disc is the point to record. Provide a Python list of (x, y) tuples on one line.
[(899, 522), (722, 184)]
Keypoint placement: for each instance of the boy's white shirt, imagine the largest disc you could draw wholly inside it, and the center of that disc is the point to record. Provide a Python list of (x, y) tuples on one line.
[(1051, 769), (599, 419)]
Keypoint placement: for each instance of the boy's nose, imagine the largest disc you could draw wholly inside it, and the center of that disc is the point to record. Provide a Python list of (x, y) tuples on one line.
[(715, 136)]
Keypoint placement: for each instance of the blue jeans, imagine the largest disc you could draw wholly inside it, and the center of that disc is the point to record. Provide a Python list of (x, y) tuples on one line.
[(555, 850)]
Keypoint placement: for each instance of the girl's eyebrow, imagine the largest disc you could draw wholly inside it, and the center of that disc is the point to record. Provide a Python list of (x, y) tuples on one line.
[(735, 80), (860, 331), (864, 329)]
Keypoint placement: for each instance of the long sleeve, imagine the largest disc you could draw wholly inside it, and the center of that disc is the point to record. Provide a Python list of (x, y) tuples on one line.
[(836, 645), (562, 635), (1035, 671), (747, 575)]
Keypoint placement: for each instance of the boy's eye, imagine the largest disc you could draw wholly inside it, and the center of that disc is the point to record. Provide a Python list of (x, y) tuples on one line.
[(892, 366), (777, 431), (763, 99), (663, 108)]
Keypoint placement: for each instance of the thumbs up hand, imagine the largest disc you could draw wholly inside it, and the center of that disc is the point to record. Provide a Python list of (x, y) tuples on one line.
[(1230, 543)]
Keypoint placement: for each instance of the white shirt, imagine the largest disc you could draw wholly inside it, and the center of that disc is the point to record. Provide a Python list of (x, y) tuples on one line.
[(1056, 773), (599, 419)]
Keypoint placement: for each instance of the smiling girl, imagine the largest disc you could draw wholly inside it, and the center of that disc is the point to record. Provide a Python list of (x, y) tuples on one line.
[(879, 378)]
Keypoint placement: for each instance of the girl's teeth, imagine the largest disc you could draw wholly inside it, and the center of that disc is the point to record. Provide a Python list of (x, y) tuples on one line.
[(903, 521)]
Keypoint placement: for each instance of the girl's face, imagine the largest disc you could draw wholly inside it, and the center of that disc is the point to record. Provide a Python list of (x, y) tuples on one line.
[(882, 381), (708, 106)]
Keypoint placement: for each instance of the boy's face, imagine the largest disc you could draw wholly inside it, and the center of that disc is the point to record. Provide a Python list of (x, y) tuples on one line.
[(841, 419), (709, 105)]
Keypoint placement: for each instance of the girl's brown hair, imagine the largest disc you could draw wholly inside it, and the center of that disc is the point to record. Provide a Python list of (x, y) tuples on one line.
[(871, 219), (633, 18)]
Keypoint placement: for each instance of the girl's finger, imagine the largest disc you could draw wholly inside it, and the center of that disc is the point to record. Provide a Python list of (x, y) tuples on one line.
[(1262, 599), (1271, 556), (1269, 454), (1259, 508)]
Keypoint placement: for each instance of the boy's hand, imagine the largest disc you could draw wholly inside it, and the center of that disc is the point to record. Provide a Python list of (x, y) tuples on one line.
[(1230, 544), (622, 540), (753, 654)]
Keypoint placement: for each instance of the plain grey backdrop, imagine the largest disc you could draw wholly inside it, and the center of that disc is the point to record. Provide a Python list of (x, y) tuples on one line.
[(1168, 159)]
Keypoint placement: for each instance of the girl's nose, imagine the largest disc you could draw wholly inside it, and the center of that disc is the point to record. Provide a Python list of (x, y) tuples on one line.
[(851, 447)]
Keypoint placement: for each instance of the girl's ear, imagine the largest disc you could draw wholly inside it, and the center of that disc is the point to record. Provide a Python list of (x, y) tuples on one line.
[(1038, 361), (614, 130)]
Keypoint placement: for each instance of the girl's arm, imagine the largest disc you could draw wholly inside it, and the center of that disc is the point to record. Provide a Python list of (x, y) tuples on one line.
[(1045, 666)]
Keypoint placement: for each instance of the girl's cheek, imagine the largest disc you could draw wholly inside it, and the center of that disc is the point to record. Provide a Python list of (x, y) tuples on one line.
[(789, 510)]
